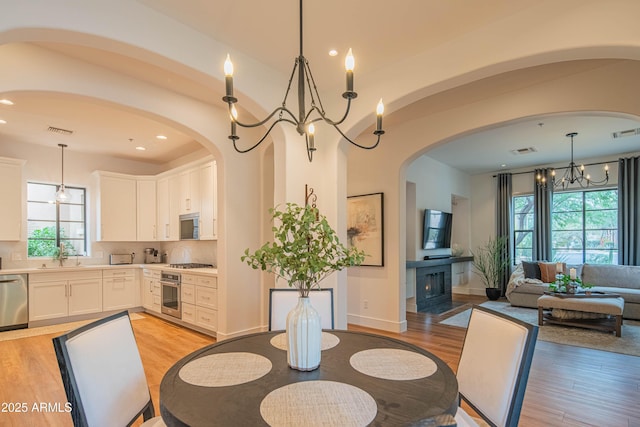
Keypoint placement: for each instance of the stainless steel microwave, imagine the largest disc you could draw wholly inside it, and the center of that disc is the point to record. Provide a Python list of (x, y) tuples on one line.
[(189, 226)]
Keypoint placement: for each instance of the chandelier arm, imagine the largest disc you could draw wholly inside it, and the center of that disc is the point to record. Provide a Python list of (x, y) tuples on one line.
[(331, 122), (262, 122), (235, 138), (378, 133)]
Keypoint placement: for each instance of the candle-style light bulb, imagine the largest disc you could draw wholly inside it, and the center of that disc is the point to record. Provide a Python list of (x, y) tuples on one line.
[(379, 112), (228, 76), (553, 172), (310, 133), (349, 65)]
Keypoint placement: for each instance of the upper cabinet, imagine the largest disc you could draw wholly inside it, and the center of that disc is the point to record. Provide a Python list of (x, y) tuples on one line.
[(116, 207), (11, 196), (146, 210), (189, 191), (208, 176)]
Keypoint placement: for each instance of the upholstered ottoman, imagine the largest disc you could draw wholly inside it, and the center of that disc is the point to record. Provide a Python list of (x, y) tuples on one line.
[(603, 313)]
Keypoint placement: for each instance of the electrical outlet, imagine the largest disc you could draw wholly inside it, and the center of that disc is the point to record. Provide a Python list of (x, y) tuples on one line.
[(366, 304), (16, 256)]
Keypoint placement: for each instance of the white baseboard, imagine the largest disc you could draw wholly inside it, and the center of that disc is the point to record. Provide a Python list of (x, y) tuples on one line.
[(370, 322)]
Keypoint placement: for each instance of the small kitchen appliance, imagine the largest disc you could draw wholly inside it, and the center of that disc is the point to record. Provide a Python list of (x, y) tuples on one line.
[(118, 259)]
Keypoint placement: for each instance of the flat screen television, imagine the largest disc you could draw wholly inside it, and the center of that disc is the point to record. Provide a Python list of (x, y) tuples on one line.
[(436, 229)]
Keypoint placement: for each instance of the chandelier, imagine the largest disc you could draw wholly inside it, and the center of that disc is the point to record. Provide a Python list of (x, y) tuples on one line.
[(304, 120), (573, 174)]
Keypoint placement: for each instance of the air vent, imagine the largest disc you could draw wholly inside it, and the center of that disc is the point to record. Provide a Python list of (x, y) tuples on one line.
[(60, 130), (623, 133), (526, 150)]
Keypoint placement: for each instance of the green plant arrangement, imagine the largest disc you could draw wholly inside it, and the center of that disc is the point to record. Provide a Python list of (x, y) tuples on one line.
[(490, 261), (564, 282), (305, 249)]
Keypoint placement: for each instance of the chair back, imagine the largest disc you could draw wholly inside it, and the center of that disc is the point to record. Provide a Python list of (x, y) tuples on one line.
[(494, 365), (282, 301), (102, 373)]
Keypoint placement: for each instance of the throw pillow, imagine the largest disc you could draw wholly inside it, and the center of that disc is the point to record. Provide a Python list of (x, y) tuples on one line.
[(531, 270), (548, 271)]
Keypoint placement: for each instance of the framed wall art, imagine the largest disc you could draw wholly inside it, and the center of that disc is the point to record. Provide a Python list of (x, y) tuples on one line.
[(365, 228)]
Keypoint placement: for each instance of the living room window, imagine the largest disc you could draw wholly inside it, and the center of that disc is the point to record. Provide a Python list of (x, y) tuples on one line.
[(523, 228), (51, 223), (584, 226)]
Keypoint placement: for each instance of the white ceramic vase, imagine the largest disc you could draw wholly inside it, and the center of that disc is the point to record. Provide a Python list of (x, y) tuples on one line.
[(304, 336)]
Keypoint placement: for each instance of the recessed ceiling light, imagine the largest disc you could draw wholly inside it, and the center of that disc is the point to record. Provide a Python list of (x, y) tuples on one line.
[(3, 122), (140, 148), (503, 165), (333, 52), (161, 137), (6, 102)]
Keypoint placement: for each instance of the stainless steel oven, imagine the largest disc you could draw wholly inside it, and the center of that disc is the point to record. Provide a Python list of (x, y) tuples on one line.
[(170, 284)]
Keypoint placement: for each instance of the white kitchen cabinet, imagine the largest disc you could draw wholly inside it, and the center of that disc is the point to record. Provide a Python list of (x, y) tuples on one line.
[(119, 289), (200, 300), (53, 295), (11, 196), (116, 209), (174, 208), (208, 201), (163, 216), (151, 290), (146, 230), (189, 191)]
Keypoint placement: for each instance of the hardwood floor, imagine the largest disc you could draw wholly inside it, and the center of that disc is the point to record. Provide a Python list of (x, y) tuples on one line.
[(568, 386)]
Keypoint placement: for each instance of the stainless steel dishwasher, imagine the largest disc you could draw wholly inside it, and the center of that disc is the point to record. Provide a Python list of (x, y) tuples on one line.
[(14, 307)]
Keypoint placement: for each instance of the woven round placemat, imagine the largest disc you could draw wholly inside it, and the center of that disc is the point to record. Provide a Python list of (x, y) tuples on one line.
[(225, 369), (318, 403), (393, 364), (328, 341)]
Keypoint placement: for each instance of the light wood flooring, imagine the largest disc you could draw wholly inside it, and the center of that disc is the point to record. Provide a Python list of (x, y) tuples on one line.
[(568, 386)]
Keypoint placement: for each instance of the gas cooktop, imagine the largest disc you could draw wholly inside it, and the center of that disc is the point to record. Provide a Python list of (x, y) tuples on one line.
[(191, 265)]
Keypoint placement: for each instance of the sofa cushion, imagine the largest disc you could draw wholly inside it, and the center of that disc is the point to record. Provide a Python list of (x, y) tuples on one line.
[(548, 271), (620, 276), (531, 270)]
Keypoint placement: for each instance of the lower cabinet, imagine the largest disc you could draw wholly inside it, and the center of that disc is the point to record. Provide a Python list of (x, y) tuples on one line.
[(119, 289), (151, 290), (199, 295), (53, 295)]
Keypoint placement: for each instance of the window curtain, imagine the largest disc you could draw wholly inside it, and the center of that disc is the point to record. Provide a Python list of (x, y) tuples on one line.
[(542, 215), (628, 215), (503, 222)]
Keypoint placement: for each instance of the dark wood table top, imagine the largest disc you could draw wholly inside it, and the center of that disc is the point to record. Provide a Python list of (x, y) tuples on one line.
[(191, 394)]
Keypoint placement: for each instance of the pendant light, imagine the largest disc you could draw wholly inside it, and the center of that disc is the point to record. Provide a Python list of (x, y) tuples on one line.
[(61, 195)]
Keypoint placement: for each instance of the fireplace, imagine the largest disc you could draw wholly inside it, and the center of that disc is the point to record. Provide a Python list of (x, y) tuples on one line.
[(433, 286)]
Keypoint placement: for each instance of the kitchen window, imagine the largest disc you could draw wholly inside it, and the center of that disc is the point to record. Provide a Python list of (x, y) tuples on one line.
[(51, 223)]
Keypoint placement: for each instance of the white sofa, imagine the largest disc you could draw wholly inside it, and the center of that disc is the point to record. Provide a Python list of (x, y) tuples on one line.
[(619, 279)]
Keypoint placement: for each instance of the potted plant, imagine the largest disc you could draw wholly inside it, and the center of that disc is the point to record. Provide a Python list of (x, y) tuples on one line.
[(489, 262), (305, 250)]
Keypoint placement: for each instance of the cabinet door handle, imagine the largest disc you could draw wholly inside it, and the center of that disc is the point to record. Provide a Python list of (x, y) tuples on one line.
[(66, 293), (166, 231), (70, 289)]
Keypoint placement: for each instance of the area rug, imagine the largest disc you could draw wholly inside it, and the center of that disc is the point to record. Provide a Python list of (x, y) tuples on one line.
[(628, 343), (52, 329)]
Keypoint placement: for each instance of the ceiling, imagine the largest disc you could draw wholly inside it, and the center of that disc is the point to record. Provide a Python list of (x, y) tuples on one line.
[(248, 26)]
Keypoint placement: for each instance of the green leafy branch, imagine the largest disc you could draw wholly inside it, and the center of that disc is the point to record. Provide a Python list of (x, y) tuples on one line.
[(305, 249)]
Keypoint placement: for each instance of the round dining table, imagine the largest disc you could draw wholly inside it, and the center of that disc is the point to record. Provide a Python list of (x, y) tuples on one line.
[(363, 379)]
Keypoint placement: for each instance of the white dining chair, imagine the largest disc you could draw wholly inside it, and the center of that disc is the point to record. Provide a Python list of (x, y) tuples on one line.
[(494, 367), (103, 376), (283, 300)]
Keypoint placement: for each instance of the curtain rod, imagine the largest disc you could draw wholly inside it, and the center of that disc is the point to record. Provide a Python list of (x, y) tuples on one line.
[(564, 167)]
